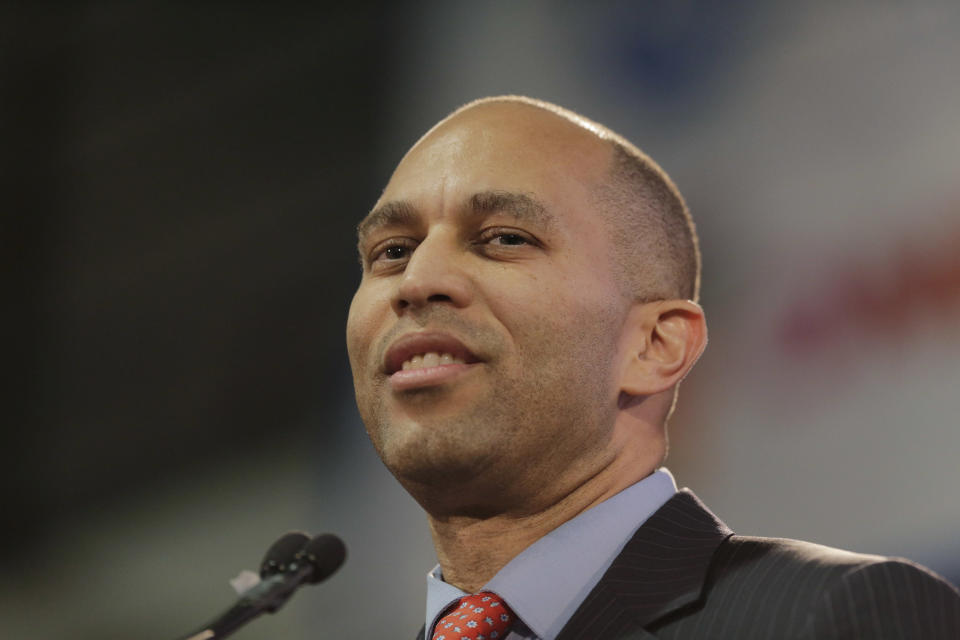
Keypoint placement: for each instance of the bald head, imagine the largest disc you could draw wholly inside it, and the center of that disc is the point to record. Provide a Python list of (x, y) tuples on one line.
[(515, 240), (655, 248)]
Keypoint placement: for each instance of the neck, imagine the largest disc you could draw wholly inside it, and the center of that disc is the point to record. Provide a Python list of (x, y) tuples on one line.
[(472, 548)]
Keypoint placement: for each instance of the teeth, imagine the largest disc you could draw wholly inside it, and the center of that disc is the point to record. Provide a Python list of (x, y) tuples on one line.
[(431, 359)]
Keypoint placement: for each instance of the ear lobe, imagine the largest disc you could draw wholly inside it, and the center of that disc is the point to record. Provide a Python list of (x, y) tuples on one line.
[(664, 342)]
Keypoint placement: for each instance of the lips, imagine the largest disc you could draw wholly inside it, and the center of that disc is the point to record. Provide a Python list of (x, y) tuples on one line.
[(413, 345)]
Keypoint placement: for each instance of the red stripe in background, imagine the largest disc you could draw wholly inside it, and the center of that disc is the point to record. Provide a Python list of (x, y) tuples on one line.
[(917, 287)]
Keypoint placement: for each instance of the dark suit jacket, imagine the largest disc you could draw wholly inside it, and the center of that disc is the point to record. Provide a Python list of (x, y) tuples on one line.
[(684, 574)]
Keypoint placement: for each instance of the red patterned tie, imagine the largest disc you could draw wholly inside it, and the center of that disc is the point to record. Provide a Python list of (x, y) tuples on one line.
[(481, 616)]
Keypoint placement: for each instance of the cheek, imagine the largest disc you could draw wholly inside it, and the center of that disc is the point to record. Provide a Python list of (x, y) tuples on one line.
[(358, 329), (563, 326), (578, 330)]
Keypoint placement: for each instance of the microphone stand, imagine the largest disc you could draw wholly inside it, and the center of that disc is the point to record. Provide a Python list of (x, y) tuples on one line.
[(267, 596), (318, 559)]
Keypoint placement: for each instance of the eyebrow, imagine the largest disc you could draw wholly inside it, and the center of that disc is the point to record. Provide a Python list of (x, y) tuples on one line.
[(398, 212), (523, 207)]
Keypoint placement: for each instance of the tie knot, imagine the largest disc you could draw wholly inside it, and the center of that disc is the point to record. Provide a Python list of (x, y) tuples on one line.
[(481, 616)]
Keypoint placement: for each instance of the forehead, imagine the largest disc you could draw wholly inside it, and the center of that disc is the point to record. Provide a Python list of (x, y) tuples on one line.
[(500, 147)]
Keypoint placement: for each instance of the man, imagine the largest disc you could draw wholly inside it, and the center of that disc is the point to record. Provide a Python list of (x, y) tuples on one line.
[(526, 314)]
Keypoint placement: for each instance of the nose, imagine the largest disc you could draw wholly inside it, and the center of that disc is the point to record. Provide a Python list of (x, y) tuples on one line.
[(435, 274)]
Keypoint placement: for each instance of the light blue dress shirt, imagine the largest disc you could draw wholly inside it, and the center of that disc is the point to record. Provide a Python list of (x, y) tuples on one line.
[(548, 581)]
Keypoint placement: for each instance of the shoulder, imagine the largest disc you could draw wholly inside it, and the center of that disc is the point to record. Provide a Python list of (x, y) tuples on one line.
[(892, 598), (769, 585), (751, 559)]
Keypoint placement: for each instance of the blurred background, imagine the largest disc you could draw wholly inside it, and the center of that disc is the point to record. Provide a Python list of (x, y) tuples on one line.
[(181, 186)]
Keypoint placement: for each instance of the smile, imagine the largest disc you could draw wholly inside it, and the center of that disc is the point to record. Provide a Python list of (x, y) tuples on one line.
[(424, 350), (427, 360), (424, 359)]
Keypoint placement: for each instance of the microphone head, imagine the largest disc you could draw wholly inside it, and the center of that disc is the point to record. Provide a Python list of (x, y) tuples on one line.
[(325, 553), (282, 553)]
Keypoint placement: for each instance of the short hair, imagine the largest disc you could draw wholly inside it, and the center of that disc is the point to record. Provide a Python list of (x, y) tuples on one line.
[(653, 235), (656, 249)]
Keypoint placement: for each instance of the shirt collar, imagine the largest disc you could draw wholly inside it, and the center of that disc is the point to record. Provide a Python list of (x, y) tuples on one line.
[(548, 580)]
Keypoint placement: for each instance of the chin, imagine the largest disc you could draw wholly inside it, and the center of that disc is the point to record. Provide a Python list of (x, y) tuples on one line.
[(429, 456)]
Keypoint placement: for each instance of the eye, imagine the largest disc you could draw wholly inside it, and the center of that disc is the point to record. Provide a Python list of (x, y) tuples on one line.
[(509, 239), (500, 237), (396, 252), (390, 253)]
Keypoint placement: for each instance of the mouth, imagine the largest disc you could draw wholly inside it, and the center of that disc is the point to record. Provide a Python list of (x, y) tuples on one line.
[(424, 359), (426, 349), (429, 359)]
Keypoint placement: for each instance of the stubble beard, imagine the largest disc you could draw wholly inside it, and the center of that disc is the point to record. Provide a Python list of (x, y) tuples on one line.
[(447, 453), (514, 442)]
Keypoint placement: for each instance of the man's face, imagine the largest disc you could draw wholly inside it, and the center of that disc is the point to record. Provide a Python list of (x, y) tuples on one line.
[(483, 336)]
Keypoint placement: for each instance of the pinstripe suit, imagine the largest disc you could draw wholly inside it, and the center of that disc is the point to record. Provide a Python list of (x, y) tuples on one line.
[(684, 574)]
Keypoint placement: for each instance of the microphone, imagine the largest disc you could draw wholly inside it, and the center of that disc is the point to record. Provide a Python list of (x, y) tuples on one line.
[(293, 560), (282, 552)]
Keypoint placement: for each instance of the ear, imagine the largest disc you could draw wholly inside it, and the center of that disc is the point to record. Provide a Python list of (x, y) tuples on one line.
[(662, 342)]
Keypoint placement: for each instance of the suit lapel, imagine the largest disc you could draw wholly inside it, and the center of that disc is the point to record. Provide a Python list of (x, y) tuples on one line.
[(662, 568)]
